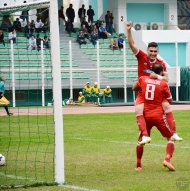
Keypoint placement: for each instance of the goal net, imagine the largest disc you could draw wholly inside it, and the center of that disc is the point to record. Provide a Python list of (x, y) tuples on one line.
[(27, 138)]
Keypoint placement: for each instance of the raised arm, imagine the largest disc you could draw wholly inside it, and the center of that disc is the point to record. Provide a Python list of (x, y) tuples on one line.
[(130, 39)]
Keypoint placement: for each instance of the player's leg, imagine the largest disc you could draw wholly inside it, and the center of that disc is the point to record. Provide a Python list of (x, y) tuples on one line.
[(171, 121), (165, 130), (142, 123), (140, 149), (139, 154), (7, 110), (139, 108), (169, 153)]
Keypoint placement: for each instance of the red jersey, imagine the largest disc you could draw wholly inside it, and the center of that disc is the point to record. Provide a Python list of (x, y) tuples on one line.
[(144, 64), (153, 93)]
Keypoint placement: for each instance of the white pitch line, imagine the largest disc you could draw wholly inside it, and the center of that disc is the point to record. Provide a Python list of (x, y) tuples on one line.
[(78, 188), (19, 177), (41, 181), (126, 142)]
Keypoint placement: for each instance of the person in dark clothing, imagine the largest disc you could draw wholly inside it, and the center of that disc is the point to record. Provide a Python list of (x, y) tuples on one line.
[(109, 21), (6, 23), (17, 25), (90, 13), (82, 13), (84, 22), (2, 38), (81, 38), (38, 42), (46, 42), (94, 37), (61, 14), (69, 27), (70, 13), (25, 16)]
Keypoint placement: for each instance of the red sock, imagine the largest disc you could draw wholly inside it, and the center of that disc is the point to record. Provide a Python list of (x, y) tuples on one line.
[(171, 122), (142, 125), (139, 153), (169, 150)]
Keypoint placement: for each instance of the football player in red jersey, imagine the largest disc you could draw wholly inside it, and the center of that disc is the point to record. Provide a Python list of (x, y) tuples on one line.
[(145, 63), (153, 92)]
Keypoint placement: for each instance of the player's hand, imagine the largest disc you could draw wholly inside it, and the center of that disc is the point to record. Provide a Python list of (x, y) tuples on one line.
[(153, 75), (129, 26)]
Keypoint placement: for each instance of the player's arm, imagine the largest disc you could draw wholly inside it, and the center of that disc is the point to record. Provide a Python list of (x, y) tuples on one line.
[(137, 86), (130, 39), (164, 76), (167, 93)]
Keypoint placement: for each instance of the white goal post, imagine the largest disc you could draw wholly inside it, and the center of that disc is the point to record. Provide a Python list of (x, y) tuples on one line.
[(56, 73)]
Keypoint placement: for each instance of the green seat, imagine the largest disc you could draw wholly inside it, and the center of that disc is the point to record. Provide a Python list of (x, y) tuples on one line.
[(104, 46), (107, 41), (90, 52), (101, 41), (90, 46), (83, 46)]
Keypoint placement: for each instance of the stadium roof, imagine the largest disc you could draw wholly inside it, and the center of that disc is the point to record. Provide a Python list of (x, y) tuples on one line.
[(7, 10)]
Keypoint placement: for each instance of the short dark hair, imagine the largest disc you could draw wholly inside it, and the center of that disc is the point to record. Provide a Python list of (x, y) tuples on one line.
[(157, 68), (152, 44)]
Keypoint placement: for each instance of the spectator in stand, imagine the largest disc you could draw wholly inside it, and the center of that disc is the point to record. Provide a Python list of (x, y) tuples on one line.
[(85, 31), (109, 21), (46, 42), (32, 26), (70, 13), (98, 24), (2, 38), (69, 27), (61, 14), (103, 32), (82, 13), (39, 25), (114, 44), (90, 13), (46, 25), (120, 41), (12, 36), (81, 98), (87, 92), (107, 94), (32, 43), (25, 16), (81, 38), (94, 37), (27, 31), (38, 42), (94, 28), (84, 22), (6, 23), (17, 25)]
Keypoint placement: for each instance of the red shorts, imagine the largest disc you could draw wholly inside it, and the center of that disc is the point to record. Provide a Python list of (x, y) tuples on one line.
[(160, 123)]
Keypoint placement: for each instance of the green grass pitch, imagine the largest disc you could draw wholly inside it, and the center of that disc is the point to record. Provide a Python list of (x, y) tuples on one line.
[(99, 153)]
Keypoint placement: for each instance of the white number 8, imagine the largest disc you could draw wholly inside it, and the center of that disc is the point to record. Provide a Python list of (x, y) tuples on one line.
[(149, 94)]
